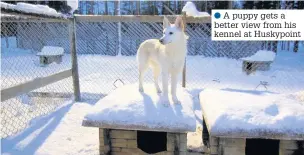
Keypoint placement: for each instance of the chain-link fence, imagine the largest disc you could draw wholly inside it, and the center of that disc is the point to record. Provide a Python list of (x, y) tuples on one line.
[(20, 42), (210, 64), (106, 48)]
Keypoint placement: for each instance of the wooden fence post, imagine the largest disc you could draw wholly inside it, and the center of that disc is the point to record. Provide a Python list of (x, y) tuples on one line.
[(184, 69), (75, 74)]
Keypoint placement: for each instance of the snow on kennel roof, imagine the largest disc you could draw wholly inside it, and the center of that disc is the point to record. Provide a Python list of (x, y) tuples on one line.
[(30, 9), (51, 50), (127, 108), (253, 114), (191, 10), (261, 55)]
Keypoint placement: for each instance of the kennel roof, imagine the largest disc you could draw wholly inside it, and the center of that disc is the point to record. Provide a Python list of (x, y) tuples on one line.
[(237, 113), (127, 108)]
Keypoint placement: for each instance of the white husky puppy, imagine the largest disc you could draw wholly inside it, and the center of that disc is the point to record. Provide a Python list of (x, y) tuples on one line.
[(166, 55)]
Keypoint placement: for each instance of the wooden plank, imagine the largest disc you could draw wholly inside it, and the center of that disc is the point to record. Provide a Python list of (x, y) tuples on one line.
[(50, 94), (176, 144), (32, 20), (106, 125), (75, 74), (28, 17), (33, 84), (107, 141), (140, 18)]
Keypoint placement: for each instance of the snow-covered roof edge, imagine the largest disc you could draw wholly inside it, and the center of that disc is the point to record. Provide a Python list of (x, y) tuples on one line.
[(19, 11)]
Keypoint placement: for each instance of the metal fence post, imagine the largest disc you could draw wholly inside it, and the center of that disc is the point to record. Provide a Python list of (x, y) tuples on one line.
[(75, 74)]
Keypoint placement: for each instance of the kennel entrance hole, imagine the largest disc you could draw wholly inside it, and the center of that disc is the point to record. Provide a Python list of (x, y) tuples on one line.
[(152, 142), (262, 147)]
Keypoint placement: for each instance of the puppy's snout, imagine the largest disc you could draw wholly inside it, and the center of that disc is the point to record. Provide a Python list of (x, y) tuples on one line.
[(161, 41)]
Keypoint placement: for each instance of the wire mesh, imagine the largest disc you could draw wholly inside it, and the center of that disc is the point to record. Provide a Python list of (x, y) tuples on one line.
[(210, 64), (20, 42)]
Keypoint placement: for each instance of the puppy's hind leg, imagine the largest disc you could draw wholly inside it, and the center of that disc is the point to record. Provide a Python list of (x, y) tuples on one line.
[(142, 67), (156, 73)]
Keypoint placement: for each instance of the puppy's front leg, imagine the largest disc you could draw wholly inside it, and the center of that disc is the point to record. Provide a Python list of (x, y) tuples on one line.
[(173, 88), (165, 76)]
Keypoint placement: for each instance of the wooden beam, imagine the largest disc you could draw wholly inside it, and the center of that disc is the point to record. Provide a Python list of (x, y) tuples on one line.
[(141, 18), (33, 84), (30, 15), (16, 17)]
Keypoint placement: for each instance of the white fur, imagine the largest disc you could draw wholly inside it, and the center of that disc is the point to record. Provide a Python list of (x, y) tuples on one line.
[(167, 57)]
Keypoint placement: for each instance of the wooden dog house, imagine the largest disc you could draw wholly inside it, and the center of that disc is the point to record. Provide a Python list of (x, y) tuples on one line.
[(50, 54), (135, 123), (261, 61), (239, 122)]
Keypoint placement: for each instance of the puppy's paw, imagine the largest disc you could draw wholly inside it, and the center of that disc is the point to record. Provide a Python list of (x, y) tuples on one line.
[(164, 100), (177, 102), (141, 89), (175, 99), (159, 91), (165, 103)]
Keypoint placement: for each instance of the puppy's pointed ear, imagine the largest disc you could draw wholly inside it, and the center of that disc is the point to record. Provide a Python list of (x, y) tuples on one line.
[(166, 22), (179, 23)]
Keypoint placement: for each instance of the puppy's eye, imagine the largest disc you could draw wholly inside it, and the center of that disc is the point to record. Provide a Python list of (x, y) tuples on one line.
[(170, 33)]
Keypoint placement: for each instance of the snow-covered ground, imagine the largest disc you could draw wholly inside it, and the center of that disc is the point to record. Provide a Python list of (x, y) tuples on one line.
[(98, 73), (57, 133)]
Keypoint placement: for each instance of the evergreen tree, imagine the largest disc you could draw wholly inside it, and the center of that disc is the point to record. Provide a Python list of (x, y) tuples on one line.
[(248, 5), (221, 4), (300, 4)]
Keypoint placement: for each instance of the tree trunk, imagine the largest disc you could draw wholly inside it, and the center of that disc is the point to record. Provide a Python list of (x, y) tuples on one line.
[(296, 46), (138, 7), (106, 8), (92, 7), (230, 4), (116, 8)]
